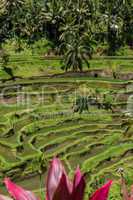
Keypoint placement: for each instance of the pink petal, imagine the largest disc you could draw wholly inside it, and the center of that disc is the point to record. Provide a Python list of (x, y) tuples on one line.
[(77, 177), (124, 190), (2, 197), (17, 192), (62, 192), (55, 173), (78, 186), (102, 193)]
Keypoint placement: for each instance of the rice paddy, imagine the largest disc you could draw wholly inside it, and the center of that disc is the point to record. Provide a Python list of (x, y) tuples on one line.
[(37, 122)]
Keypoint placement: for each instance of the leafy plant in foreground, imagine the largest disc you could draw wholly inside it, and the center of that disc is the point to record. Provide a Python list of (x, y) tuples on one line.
[(58, 186)]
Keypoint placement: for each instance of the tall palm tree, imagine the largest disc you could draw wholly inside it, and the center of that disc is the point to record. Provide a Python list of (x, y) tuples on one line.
[(78, 51), (76, 37)]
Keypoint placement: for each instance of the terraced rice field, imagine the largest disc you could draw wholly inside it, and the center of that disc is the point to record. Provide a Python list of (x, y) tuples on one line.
[(37, 122)]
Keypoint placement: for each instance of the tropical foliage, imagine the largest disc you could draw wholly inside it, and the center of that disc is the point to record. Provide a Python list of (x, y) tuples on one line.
[(73, 27)]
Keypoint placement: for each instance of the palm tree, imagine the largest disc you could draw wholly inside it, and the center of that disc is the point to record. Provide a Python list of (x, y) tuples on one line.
[(76, 39), (78, 50)]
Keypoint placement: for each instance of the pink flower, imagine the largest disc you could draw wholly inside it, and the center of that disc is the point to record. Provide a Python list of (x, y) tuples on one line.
[(17, 192), (59, 187), (102, 193)]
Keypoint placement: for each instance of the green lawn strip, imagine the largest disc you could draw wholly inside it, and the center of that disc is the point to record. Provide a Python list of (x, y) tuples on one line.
[(75, 142), (47, 126), (59, 123), (3, 163), (18, 63), (78, 80), (67, 131), (113, 151), (105, 140), (57, 90), (22, 64), (31, 127), (31, 115), (28, 151), (81, 131), (4, 75), (24, 57), (28, 128), (4, 129), (8, 153), (15, 117), (28, 158), (49, 109), (65, 147), (18, 115), (64, 110), (15, 125), (52, 110), (9, 144), (83, 149), (123, 65), (96, 135), (90, 128), (11, 109), (37, 92)]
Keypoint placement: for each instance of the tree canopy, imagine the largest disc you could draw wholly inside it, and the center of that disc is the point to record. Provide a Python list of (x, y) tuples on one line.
[(73, 27)]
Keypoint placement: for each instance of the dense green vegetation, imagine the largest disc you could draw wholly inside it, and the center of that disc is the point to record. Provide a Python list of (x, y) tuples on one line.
[(74, 29)]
